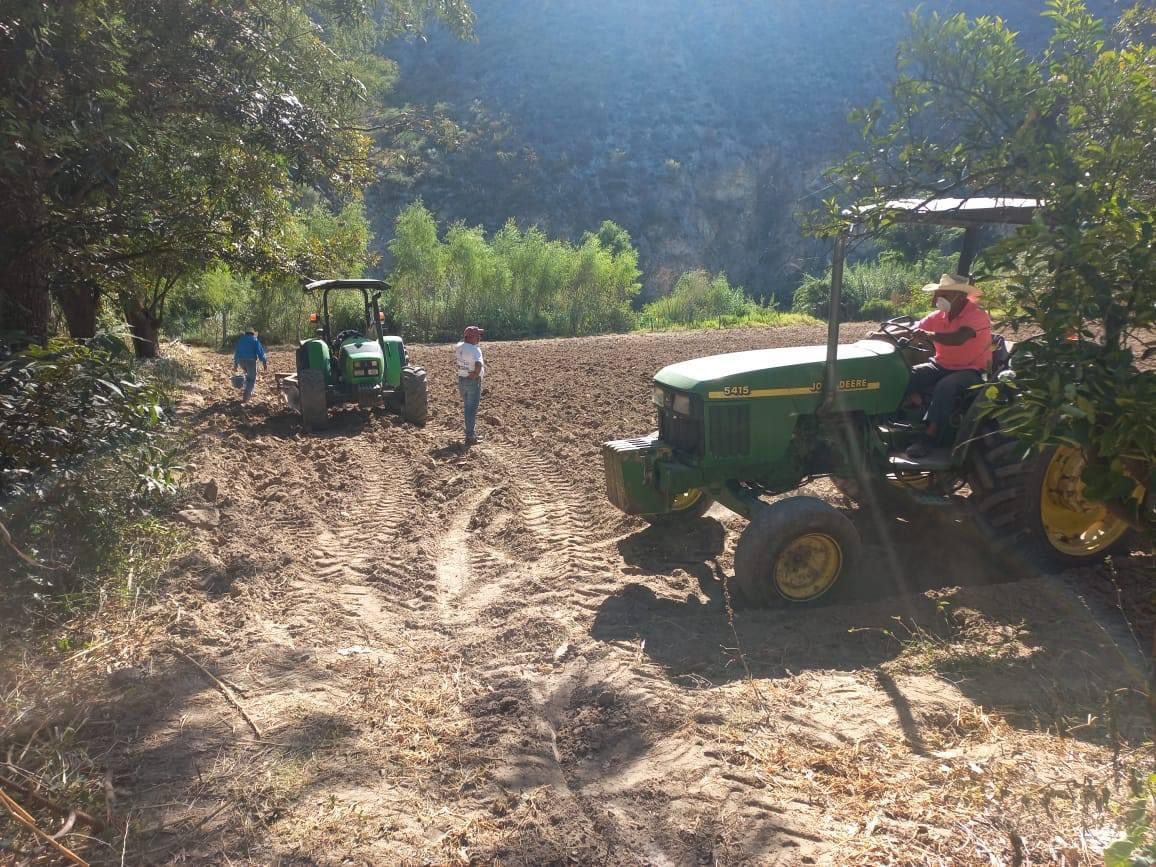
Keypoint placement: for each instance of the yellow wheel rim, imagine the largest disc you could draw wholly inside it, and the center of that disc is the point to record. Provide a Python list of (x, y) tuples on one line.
[(685, 500), (808, 567), (1074, 525)]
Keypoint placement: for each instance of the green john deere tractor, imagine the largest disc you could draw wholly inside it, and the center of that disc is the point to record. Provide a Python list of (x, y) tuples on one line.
[(357, 365), (737, 427)]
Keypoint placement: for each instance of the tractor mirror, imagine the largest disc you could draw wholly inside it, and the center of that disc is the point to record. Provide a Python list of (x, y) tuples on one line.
[(380, 316)]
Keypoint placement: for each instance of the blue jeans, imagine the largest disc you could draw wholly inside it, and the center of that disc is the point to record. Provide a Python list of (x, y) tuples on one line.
[(471, 392), (249, 365), (946, 388)]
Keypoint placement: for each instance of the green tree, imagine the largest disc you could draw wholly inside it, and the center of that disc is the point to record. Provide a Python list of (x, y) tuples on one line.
[(174, 134), (973, 113), (516, 284), (611, 237), (209, 304), (419, 265)]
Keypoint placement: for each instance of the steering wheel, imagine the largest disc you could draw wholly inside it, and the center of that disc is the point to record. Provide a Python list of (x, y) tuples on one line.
[(341, 335), (900, 326)]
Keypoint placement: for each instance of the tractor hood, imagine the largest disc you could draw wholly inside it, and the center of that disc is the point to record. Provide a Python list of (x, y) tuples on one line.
[(362, 348), (699, 373), (871, 376)]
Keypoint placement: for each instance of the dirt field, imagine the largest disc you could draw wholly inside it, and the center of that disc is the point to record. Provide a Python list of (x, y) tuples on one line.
[(470, 657)]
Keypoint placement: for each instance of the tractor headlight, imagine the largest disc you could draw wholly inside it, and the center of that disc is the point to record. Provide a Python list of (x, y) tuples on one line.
[(681, 404), (365, 368)]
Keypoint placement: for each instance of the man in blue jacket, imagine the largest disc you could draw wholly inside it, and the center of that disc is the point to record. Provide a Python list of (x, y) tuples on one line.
[(246, 355)]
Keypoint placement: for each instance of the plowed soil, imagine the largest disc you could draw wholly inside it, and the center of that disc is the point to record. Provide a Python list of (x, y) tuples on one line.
[(454, 656)]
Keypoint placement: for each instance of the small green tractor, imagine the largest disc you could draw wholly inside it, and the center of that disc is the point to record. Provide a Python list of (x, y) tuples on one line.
[(738, 427), (358, 365)]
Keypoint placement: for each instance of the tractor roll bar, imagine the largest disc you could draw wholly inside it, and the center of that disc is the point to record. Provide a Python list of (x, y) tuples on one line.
[(830, 374)]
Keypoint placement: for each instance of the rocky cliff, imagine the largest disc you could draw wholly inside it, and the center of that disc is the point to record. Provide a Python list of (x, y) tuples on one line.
[(701, 127)]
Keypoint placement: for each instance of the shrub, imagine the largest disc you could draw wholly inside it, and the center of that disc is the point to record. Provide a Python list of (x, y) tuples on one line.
[(64, 400), (882, 289), (698, 296), (700, 300), (81, 451)]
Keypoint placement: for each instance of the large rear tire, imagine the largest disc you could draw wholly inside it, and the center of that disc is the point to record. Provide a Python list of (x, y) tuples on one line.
[(311, 394), (415, 407), (795, 551), (1029, 503)]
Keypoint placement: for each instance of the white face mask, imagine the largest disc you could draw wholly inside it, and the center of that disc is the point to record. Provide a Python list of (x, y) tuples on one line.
[(943, 304)]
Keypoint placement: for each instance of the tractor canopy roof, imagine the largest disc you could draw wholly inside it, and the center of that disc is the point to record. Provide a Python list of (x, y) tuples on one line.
[(319, 285), (956, 212)]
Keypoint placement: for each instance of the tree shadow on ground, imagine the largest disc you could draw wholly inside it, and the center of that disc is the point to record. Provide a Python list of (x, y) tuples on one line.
[(197, 782), (927, 590)]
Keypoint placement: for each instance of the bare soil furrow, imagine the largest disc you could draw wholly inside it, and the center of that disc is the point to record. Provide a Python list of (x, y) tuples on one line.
[(468, 656)]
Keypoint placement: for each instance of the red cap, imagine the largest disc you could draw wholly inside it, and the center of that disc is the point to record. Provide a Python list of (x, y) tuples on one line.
[(472, 331)]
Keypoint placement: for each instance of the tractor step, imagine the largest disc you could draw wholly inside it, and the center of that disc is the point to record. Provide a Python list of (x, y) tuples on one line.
[(899, 434), (934, 461), (900, 428)]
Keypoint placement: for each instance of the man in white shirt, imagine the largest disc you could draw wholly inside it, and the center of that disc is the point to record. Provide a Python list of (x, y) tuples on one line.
[(471, 369)]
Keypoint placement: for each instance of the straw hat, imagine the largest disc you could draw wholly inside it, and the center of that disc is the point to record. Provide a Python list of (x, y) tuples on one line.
[(953, 283)]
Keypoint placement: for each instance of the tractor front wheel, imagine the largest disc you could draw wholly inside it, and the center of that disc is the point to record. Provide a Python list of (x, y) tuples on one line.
[(795, 551), (687, 506), (415, 405)]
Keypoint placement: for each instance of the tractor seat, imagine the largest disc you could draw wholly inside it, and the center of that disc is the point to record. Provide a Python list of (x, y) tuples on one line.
[(1001, 351), (342, 336), (936, 460)]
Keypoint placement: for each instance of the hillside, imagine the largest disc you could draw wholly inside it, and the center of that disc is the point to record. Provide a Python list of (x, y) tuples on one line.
[(701, 128)]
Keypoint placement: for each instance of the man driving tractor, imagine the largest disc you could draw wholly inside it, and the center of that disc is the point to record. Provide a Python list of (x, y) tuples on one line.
[(960, 332)]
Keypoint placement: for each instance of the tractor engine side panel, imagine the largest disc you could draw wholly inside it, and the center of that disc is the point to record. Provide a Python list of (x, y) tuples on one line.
[(313, 354), (394, 360), (874, 385)]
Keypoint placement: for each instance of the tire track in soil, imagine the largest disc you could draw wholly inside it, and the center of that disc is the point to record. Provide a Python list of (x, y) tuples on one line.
[(470, 575), (355, 549), (576, 573), (557, 511), (508, 614), (638, 716)]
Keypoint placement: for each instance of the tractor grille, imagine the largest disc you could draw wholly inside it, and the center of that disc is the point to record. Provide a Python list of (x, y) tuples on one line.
[(730, 430), (681, 433)]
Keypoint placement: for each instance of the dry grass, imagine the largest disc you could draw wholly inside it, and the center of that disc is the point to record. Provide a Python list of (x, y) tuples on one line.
[(76, 631), (960, 785), (52, 750), (418, 724)]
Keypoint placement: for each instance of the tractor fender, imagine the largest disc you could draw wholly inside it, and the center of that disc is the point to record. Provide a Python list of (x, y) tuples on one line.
[(972, 427)]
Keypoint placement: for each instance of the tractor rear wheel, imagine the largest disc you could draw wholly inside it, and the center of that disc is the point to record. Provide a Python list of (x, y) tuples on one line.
[(311, 395), (415, 406), (687, 506), (795, 551), (1031, 506)]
